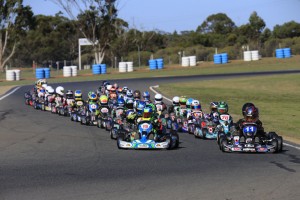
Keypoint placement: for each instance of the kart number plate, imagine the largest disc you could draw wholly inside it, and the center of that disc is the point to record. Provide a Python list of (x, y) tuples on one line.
[(104, 110), (79, 103), (93, 106), (145, 126), (225, 117)]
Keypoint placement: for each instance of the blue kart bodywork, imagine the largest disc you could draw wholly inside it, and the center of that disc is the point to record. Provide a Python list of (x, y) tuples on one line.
[(145, 130)]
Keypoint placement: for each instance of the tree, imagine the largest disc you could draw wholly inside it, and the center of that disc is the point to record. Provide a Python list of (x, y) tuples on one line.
[(257, 25), (97, 21), (15, 19), (217, 23), (287, 30)]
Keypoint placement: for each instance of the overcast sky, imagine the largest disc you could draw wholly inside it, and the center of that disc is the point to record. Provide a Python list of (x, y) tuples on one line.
[(171, 15)]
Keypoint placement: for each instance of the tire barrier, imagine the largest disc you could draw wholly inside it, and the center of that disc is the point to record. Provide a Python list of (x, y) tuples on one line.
[(13, 75), (283, 53)]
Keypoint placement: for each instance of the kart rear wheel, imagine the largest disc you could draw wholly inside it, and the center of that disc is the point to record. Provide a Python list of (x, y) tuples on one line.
[(204, 132), (169, 140), (223, 144), (275, 144), (280, 143), (120, 138), (175, 140), (99, 122)]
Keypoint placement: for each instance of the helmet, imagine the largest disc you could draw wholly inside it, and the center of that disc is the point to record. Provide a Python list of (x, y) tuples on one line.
[(213, 106), (108, 87), (196, 105), (158, 98), (44, 85), (49, 90), (92, 96), (121, 102), (60, 90), (136, 94), (140, 107), (189, 102), (182, 100), (251, 114), (115, 85), (245, 107), (69, 94), (151, 105), (222, 107), (129, 93), (120, 90), (125, 88), (147, 112), (129, 104), (105, 83), (175, 100), (40, 82), (103, 100), (146, 95), (78, 95)]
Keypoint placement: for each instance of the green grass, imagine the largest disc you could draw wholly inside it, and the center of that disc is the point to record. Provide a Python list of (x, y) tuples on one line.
[(266, 64), (276, 96)]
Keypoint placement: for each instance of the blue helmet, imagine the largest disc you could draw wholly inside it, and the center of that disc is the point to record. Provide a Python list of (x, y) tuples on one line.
[(121, 102), (189, 102), (140, 107), (146, 95)]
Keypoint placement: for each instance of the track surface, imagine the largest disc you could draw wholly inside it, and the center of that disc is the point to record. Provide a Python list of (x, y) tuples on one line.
[(45, 156)]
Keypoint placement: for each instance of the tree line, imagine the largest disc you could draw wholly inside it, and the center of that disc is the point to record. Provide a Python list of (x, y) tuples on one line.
[(26, 37)]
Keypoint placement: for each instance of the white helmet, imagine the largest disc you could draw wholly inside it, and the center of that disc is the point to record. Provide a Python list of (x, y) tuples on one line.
[(129, 93), (196, 105), (60, 90), (50, 90), (158, 98), (44, 85), (175, 100), (108, 87)]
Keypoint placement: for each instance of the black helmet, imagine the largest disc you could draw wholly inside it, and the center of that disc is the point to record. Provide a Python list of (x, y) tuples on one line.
[(137, 94), (245, 106)]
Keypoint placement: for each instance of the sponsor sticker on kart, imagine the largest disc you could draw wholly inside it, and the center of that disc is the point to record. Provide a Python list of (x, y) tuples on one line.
[(143, 146), (79, 103)]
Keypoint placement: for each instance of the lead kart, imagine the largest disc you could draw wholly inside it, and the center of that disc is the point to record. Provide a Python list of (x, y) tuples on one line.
[(250, 141), (144, 139)]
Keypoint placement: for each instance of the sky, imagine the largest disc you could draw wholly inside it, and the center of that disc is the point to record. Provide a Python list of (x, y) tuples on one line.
[(187, 15)]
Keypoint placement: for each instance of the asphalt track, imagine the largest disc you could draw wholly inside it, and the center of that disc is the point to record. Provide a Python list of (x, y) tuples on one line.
[(45, 156)]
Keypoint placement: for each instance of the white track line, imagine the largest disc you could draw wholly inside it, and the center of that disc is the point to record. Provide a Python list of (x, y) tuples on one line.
[(156, 86), (1, 98)]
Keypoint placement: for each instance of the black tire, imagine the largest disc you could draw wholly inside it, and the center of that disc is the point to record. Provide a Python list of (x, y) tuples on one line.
[(223, 144), (275, 144), (168, 138), (111, 134), (280, 143), (99, 123), (72, 118), (176, 144), (43, 107), (204, 131), (120, 137)]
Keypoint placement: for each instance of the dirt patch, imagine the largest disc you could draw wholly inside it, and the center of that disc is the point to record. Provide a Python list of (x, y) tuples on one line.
[(4, 89)]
